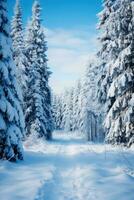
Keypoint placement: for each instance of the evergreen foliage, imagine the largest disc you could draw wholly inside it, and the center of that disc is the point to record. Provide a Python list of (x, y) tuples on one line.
[(38, 100), (11, 115), (118, 82), (19, 56)]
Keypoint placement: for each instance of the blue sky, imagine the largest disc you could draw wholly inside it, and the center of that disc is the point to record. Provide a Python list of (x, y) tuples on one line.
[(71, 35)]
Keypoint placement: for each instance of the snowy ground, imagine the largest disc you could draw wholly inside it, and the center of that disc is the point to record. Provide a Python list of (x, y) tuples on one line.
[(69, 168)]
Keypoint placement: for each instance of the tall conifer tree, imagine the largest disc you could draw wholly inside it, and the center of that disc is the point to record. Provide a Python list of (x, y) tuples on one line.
[(38, 100), (11, 116)]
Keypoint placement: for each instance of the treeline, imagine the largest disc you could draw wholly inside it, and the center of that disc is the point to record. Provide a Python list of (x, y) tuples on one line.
[(24, 88), (107, 91), (77, 108)]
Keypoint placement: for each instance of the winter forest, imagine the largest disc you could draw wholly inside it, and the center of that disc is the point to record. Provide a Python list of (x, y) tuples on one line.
[(76, 144)]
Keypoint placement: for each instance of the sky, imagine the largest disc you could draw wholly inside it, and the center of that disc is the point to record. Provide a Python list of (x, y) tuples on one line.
[(71, 35)]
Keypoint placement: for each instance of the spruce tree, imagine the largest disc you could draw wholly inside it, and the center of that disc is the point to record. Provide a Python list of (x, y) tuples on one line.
[(89, 105), (75, 107), (54, 111), (108, 50), (120, 116), (117, 75), (11, 116), (58, 112), (18, 46), (79, 110), (107, 54), (38, 99), (69, 111), (64, 108)]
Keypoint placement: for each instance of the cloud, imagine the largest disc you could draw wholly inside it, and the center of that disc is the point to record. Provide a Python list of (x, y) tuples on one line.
[(69, 52)]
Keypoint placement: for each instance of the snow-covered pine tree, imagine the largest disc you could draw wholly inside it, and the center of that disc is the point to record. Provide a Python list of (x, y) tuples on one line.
[(61, 110), (76, 108), (54, 110), (11, 115), (120, 117), (71, 108), (107, 54), (38, 99), (108, 47), (68, 112), (58, 112), (64, 107), (66, 116), (18, 45), (79, 111), (89, 105)]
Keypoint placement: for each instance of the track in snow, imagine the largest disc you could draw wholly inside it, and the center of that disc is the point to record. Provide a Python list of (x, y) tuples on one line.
[(84, 171)]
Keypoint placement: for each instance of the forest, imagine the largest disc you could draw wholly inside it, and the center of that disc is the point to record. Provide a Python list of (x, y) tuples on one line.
[(74, 138)]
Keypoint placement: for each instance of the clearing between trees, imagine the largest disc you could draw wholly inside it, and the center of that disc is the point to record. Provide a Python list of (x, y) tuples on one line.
[(69, 168)]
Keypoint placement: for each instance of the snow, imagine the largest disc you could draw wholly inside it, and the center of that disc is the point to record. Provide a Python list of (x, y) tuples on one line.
[(69, 168), (112, 90), (2, 123)]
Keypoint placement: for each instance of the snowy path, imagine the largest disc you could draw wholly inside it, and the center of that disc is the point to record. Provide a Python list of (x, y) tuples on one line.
[(69, 168), (70, 178), (85, 172)]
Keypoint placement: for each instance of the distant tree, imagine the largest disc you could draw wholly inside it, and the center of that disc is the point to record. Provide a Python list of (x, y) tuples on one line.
[(76, 107), (68, 111), (89, 105), (57, 110), (54, 110), (71, 108)]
